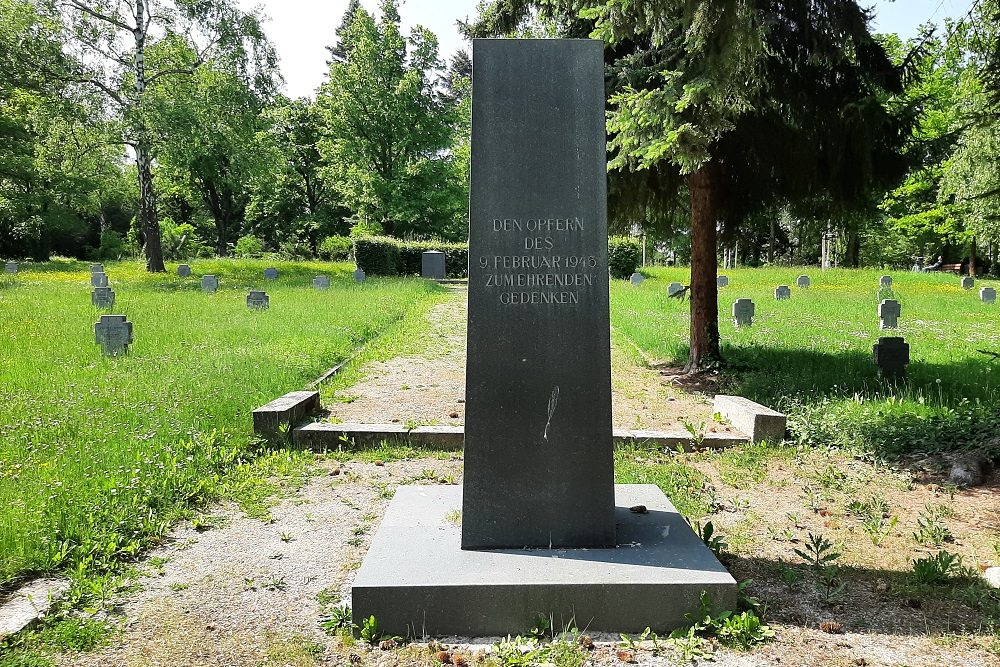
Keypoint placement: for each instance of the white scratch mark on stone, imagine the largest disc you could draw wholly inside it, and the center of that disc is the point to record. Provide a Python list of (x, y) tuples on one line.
[(553, 402), (666, 532)]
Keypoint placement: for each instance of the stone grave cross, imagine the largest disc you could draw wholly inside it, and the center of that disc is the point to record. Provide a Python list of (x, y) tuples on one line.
[(782, 292), (892, 356), (743, 312), (114, 334), (988, 295), (888, 313), (102, 297), (258, 300)]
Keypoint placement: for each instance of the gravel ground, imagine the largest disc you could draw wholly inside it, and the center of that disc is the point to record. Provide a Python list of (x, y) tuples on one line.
[(429, 388), (251, 593)]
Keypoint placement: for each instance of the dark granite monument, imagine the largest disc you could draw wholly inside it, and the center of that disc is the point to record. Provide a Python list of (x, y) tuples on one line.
[(538, 374), (543, 529)]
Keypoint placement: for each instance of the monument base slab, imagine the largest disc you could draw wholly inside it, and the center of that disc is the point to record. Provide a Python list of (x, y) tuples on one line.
[(417, 581)]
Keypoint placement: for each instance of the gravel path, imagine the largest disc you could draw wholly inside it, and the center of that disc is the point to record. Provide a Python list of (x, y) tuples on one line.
[(429, 388)]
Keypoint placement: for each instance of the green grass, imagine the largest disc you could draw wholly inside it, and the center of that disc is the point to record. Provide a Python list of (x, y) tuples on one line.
[(98, 455), (811, 356), (689, 489)]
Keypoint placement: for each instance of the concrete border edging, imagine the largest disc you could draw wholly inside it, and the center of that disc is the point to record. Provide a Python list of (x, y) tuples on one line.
[(325, 436)]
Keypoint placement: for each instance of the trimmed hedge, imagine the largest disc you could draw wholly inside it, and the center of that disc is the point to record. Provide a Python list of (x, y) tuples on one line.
[(385, 256), (624, 256)]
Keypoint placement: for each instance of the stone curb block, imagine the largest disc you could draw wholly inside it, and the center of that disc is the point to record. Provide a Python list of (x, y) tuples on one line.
[(758, 421), (274, 421)]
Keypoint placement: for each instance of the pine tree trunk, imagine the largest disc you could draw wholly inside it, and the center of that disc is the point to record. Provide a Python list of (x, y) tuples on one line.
[(972, 257), (704, 292)]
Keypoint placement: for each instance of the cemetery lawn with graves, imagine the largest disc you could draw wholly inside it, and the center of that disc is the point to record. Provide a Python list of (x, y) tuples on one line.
[(856, 548), (99, 456)]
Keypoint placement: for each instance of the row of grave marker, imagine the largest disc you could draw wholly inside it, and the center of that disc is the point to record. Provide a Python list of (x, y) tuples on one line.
[(782, 292), (889, 311), (114, 332)]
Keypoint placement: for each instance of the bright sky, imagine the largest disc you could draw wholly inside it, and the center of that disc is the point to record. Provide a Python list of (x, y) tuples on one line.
[(301, 29)]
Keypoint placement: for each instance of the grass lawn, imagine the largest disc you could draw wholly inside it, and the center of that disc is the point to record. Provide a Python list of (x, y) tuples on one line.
[(811, 355), (98, 455)]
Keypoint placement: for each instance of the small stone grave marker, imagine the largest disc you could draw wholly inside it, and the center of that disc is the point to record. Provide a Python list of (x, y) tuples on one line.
[(97, 268), (988, 295), (99, 279), (113, 334), (432, 265), (674, 288), (270, 273), (184, 270), (743, 312), (102, 297), (888, 313), (968, 282), (722, 281), (892, 356), (803, 282), (321, 282), (209, 284), (885, 282), (637, 279), (359, 275), (10, 267), (782, 292), (258, 300)]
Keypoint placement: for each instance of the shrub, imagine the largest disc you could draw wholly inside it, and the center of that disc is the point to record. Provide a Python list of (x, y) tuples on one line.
[(181, 241), (334, 248), (294, 250), (249, 246), (377, 255), (384, 256), (624, 256), (112, 245)]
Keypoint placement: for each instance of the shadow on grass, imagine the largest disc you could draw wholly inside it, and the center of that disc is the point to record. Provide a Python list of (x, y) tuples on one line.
[(872, 600)]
